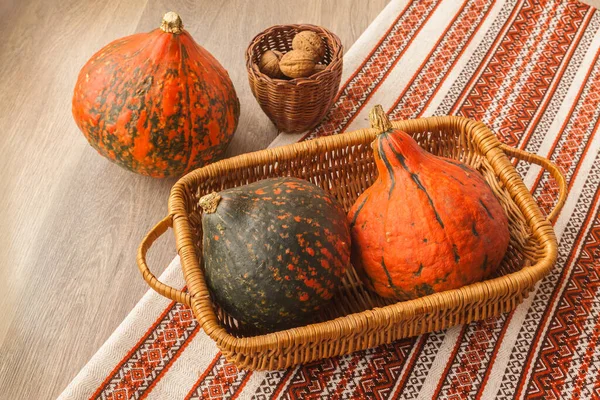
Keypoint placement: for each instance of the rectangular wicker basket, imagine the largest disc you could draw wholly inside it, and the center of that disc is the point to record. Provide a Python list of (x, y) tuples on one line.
[(358, 319)]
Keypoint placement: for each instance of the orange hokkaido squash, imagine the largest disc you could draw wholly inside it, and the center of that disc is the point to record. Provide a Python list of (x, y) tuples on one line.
[(427, 224), (156, 103)]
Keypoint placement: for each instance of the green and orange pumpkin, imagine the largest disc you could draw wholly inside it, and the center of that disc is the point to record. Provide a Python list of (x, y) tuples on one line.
[(274, 251), (156, 103), (427, 224)]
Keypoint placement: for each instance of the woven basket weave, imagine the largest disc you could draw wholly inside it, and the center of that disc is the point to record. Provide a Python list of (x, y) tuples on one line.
[(299, 104), (358, 319)]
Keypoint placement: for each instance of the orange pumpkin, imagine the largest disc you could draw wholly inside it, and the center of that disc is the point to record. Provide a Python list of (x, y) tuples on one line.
[(156, 103), (427, 224)]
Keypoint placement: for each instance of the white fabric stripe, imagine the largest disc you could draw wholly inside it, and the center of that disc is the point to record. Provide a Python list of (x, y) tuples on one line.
[(465, 57), (418, 51), (422, 366), (523, 67), (131, 330), (286, 384), (471, 336), (439, 364), (408, 361), (186, 370), (253, 383), (336, 377)]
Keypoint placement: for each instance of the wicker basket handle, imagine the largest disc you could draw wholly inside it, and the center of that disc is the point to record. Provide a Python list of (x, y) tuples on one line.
[(548, 166), (158, 286)]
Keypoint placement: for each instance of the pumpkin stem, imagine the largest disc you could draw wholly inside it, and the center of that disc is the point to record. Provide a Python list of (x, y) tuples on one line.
[(171, 23), (379, 120), (209, 202)]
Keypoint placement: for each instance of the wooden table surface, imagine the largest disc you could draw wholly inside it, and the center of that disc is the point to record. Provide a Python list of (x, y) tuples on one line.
[(71, 221)]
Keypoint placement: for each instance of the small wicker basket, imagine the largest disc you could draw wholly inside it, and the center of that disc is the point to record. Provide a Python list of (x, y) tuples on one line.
[(358, 319), (299, 104)]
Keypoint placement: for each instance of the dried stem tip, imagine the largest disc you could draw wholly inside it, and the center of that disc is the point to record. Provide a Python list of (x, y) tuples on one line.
[(209, 202), (379, 120), (171, 23)]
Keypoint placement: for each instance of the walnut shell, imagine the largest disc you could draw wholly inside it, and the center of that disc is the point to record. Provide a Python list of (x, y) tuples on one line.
[(297, 64), (310, 42), (319, 68), (269, 64)]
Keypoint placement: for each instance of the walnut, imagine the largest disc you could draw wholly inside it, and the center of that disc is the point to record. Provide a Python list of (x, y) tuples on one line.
[(310, 42), (297, 64), (319, 68), (269, 64)]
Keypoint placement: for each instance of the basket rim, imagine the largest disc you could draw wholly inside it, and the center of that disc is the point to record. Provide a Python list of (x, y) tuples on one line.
[(371, 320), (337, 56)]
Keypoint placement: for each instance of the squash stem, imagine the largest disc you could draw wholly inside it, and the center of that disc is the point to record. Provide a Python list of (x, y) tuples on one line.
[(209, 202), (171, 23), (379, 120)]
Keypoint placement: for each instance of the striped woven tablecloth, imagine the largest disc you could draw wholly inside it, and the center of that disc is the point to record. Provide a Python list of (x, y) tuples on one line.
[(531, 71)]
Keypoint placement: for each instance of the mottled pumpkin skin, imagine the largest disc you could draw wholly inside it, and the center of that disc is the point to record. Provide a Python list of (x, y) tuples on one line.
[(156, 103), (427, 224), (275, 252)]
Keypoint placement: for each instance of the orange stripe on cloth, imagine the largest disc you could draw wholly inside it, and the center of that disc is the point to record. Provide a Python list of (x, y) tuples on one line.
[(528, 364), (362, 66), (586, 106), (448, 46), (548, 95), (221, 379), (520, 61), (347, 374), (562, 342), (486, 92), (596, 388), (488, 57), (203, 375), (133, 350), (240, 389), (588, 361), (345, 105)]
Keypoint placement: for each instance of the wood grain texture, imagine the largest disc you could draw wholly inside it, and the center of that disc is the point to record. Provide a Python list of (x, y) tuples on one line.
[(70, 221)]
